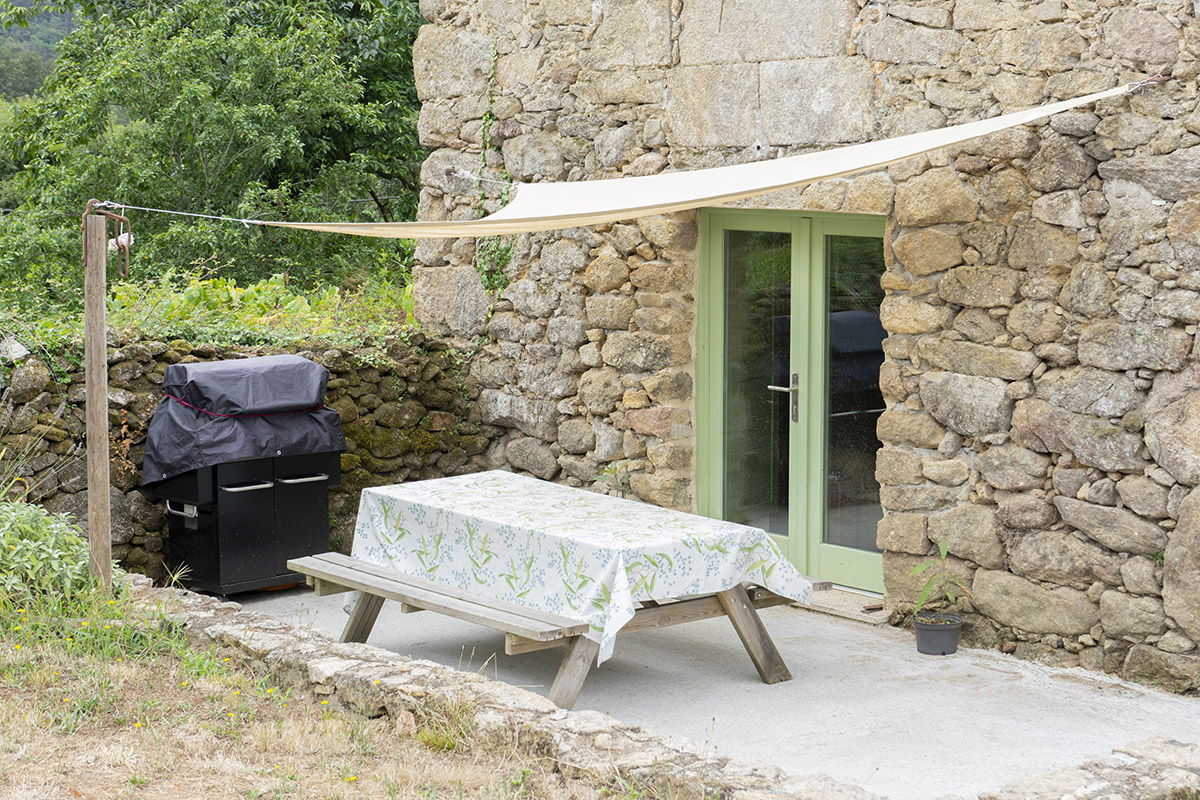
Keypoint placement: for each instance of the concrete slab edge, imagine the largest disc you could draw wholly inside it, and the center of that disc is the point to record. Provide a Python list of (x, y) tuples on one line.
[(367, 680)]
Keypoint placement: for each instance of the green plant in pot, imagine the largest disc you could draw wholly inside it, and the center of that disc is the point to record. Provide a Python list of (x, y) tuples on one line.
[(937, 631)]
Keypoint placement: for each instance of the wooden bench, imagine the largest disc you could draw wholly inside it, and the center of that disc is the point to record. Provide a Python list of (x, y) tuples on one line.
[(527, 629)]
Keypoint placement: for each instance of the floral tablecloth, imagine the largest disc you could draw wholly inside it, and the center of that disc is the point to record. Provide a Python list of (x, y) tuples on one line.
[(562, 550)]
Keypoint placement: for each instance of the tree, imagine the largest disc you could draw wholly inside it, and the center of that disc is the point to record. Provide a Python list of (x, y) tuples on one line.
[(279, 109)]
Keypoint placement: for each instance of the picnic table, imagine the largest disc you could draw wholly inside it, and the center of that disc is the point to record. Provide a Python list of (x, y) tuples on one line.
[(552, 565)]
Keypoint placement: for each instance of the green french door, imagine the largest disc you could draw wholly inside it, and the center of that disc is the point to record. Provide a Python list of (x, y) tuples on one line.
[(789, 350)]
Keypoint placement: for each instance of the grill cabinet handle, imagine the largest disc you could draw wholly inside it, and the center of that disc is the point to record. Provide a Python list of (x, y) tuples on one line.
[(188, 510), (320, 476), (248, 487)]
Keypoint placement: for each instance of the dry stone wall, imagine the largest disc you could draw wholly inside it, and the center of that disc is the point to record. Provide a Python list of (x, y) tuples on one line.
[(406, 410), (1042, 290)]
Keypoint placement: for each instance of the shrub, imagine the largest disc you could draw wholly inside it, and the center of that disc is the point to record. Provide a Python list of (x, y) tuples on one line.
[(42, 556)]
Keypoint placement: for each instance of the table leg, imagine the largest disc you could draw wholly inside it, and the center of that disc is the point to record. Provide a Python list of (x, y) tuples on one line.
[(581, 654), (362, 618), (741, 612)]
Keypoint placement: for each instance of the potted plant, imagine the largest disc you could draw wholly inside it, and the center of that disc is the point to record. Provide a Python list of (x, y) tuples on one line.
[(937, 631)]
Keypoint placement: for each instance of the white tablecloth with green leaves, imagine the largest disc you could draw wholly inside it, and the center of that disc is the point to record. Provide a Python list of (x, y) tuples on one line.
[(562, 550)]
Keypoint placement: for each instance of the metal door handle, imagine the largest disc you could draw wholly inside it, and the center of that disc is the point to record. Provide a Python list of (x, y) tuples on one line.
[(794, 392), (248, 487), (188, 510), (320, 476)]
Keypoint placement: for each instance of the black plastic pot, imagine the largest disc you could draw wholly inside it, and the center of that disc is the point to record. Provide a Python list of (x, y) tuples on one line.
[(937, 632)]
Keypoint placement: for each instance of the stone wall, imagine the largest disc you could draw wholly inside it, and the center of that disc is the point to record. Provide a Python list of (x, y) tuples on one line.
[(405, 409), (1043, 284)]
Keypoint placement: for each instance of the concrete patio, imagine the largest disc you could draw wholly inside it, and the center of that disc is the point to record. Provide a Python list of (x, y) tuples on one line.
[(864, 707)]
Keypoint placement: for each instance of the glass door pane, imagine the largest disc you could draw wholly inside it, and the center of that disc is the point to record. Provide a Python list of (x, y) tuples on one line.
[(757, 324), (854, 337)]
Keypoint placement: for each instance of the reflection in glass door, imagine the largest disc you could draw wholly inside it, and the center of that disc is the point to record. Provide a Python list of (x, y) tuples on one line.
[(854, 354), (757, 321), (790, 347)]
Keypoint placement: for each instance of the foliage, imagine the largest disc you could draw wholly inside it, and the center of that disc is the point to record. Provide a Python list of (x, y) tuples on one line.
[(21, 71), (492, 253), (942, 584), (41, 555), (39, 33), (270, 311), (264, 109)]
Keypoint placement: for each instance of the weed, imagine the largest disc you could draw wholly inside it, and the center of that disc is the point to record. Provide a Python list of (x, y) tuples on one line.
[(446, 723), (1158, 557)]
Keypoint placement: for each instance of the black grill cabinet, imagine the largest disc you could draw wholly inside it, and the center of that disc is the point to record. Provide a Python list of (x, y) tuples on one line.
[(244, 452)]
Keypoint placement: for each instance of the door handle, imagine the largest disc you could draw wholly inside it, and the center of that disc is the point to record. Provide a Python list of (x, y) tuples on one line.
[(188, 510), (794, 392), (320, 476), (248, 487)]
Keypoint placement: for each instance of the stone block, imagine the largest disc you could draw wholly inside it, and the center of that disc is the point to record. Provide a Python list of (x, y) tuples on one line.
[(450, 300), (1181, 569), (1115, 528), (534, 155), (1183, 229), (1174, 671), (632, 33), (706, 105), (662, 490), (919, 498), (533, 456), (1060, 208), (904, 587), (988, 15), (535, 417), (450, 62), (605, 274), (981, 287), (1025, 511), (895, 466), (661, 276), (1037, 48), (1036, 320), (1172, 424), (1175, 176), (967, 404), (575, 435), (1061, 558), (30, 378), (1127, 615), (1133, 212), (1019, 603), (1142, 35), (1038, 245), (971, 533), (903, 314), (1143, 496), (600, 389), (934, 197), (925, 251), (1046, 428), (902, 533), (968, 358), (1087, 390), (641, 352), (716, 33), (1138, 574), (840, 82), (610, 311), (1012, 468), (893, 40), (678, 231), (896, 426), (946, 472), (1117, 345)]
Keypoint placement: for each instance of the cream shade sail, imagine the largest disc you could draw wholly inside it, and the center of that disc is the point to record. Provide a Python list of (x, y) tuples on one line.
[(551, 206)]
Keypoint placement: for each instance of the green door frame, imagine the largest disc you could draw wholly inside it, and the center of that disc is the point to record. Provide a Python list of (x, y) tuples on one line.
[(807, 443)]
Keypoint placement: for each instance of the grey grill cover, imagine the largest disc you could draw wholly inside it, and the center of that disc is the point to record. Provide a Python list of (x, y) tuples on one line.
[(224, 411)]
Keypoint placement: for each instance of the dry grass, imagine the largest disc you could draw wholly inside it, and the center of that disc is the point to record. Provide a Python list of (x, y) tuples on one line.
[(183, 724)]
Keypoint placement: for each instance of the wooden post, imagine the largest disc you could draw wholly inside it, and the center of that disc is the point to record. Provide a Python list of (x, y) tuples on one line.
[(95, 336)]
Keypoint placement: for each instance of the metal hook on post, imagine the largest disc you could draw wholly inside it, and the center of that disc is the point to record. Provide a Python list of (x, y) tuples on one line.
[(122, 229)]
